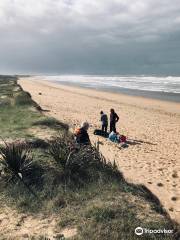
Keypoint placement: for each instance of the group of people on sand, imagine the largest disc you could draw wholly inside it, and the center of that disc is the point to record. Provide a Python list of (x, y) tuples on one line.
[(82, 136), (114, 118)]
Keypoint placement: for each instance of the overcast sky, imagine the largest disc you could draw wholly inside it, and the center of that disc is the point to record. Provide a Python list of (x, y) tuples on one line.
[(90, 36)]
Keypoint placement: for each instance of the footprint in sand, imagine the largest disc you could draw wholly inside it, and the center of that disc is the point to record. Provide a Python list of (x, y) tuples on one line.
[(160, 185), (174, 198), (171, 209), (175, 175)]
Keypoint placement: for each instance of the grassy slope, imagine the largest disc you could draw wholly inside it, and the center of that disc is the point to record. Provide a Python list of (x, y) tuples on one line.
[(18, 112), (16, 115), (106, 208)]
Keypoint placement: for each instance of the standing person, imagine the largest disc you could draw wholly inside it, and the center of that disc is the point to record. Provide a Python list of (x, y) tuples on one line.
[(104, 121), (114, 118)]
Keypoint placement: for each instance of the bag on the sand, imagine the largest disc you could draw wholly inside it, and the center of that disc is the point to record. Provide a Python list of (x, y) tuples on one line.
[(99, 132), (122, 138)]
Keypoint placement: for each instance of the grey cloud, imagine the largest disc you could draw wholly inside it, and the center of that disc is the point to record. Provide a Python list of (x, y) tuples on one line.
[(74, 36)]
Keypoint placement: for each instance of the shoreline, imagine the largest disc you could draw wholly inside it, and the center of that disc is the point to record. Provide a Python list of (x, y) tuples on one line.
[(152, 158), (162, 96), (158, 105)]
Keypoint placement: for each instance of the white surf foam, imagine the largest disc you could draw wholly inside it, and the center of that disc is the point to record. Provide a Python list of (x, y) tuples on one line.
[(168, 84)]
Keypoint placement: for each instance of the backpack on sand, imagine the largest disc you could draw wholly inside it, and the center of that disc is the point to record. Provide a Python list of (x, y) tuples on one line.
[(123, 138), (99, 132)]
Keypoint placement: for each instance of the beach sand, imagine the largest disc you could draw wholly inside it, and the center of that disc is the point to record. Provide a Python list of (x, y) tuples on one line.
[(152, 126)]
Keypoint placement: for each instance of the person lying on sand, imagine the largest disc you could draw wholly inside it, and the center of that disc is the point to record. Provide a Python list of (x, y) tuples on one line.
[(114, 118), (116, 137), (104, 121), (81, 134)]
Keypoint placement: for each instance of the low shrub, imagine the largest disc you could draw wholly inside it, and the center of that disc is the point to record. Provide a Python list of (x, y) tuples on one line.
[(17, 162), (80, 164), (16, 158)]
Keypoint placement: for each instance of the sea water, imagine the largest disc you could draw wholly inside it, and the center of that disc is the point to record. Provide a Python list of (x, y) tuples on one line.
[(167, 87)]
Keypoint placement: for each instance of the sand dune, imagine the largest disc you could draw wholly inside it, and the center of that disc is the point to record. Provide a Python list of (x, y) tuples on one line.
[(152, 127)]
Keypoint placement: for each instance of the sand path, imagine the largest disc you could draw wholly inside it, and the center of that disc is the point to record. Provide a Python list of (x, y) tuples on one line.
[(15, 225), (153, 126), (20, 226)]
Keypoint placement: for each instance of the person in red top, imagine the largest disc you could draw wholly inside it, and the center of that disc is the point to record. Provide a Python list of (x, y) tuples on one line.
[(114, 118)]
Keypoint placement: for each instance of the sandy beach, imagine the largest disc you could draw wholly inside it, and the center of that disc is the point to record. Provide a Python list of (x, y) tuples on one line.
[(152, 127)]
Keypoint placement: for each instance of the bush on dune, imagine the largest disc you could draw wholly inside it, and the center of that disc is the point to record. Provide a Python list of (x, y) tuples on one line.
[(68, 165), (74, 178), (80, 164), (17, 162), (16, 158)]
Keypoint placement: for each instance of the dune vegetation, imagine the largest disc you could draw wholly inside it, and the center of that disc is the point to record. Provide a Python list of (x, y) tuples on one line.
[(81, 194)]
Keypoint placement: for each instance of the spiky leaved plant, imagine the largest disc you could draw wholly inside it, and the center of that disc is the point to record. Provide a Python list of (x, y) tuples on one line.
[(79, 164), (61, 149), (16, 159)]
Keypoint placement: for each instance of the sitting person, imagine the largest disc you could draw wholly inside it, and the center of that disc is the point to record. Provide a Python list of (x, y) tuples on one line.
[(81, 134)]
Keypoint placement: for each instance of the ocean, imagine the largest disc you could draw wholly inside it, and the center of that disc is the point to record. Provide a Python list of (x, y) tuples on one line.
[(164, 87)]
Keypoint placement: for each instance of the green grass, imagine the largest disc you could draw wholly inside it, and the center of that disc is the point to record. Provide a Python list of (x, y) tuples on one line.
[(97, 211), (106, 208), (95, 200), (51, 123), (18, 112), (16, 121)]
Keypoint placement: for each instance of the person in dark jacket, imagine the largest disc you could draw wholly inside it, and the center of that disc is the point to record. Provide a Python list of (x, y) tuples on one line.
[(114, 118), (104, 121), (82, 135)]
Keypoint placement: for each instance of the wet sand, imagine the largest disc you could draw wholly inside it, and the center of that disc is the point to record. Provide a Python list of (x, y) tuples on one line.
[(151, 126)]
